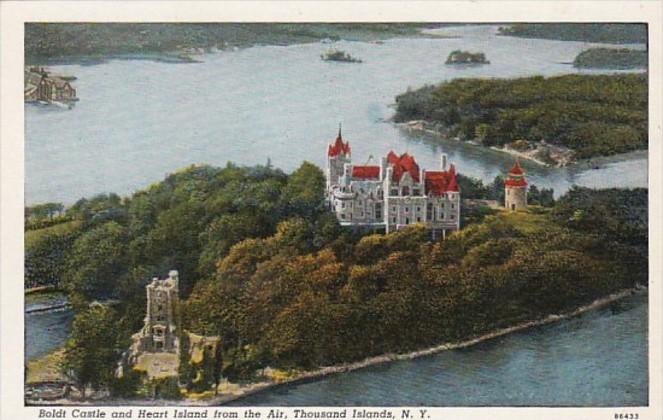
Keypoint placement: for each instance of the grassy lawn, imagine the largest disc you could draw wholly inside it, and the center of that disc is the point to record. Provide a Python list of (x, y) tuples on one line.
[(46, 367), (33, 236), (534, 220), (44, 294)]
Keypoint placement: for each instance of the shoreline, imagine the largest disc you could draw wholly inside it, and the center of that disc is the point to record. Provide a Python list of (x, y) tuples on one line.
[(239, 392), (424, 127), (392, 357)]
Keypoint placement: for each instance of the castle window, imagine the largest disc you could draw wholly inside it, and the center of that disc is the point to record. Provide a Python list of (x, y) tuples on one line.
[(394, 191), (407, 209), (343, 216), (416, 192), (418, 219), (393, 208), (453, 217), (441, 215), (418, 209), (452, 206), (380, 194), (429, 211), (393, 220), (406, 191), (378, 211)]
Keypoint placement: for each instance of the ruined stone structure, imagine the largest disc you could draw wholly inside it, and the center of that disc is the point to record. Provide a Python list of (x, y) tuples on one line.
[(515, 189), (393, 194), (159, 334)]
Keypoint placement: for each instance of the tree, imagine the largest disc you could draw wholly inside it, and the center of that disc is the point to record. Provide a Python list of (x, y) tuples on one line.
[(90, 355), (304, 193), (97, 261)]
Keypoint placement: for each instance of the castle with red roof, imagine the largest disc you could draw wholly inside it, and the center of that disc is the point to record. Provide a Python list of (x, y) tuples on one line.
[(393, 194)]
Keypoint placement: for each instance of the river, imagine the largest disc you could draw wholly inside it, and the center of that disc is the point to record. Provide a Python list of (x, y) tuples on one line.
[(138, 120)]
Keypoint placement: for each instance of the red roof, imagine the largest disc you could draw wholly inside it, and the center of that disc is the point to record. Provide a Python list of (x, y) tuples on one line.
[(366, 172), (339, 147), (516, 169), (402, 164), (440, 182), (515, 182)]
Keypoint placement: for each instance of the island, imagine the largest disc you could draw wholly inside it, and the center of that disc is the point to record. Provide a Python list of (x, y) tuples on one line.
[(251, 282), (465, 57), (333, 54), (611, 58), (554, 121), (611, 33)]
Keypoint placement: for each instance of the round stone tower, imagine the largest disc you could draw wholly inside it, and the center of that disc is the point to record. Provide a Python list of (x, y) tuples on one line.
[(515, 189)]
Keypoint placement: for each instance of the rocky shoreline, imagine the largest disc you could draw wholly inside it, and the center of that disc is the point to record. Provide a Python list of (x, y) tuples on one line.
[(234, 392), (556, 156)]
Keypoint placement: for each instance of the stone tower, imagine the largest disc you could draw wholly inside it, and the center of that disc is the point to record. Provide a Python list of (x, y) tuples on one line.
[(338, 155), (159, 333), (515, 189)]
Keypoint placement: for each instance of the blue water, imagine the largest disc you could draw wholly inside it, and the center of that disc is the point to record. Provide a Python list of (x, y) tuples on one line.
[(596, 359), (45, 331), (139, 120)]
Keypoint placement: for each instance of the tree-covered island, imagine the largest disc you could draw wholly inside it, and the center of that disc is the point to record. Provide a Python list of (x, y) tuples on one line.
[(554, 120), (611, 58), (265, 267), (611, 33), (466, 57), (338, 55)]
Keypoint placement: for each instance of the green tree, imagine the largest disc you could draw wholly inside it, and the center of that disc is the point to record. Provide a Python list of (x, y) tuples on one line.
[(90, 357), (97, 261)]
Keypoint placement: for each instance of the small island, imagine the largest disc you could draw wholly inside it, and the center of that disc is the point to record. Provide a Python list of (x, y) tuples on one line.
[(333, 54), (611, 58), (466, 57)]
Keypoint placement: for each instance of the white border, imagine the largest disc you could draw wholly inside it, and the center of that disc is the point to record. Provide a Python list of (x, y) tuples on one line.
[(14, 14)]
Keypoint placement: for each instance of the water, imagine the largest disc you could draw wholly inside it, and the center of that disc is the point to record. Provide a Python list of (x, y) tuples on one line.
[(596, 359), (139, 120), (45, 331)]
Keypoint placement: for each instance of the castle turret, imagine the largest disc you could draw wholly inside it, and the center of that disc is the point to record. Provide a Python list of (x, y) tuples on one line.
[(515, 189), (338, 154)]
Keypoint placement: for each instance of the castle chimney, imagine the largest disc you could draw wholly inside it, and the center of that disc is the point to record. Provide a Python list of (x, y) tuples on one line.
[(443, 161), (383, 167), (173, 275)]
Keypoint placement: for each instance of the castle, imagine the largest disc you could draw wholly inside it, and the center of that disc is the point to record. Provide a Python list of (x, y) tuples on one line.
[(391, 195)]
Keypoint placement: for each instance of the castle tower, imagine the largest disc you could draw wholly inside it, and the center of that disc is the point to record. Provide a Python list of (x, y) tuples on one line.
[(338, 155), (515, 189), (159, 333)]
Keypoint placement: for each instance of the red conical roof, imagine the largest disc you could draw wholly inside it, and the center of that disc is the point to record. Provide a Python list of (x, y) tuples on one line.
[(516, 169), (339, 147)]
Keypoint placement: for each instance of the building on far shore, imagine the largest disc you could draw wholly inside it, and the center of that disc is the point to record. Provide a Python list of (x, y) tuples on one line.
[(41, 85), (393, 194), (515, 189)]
